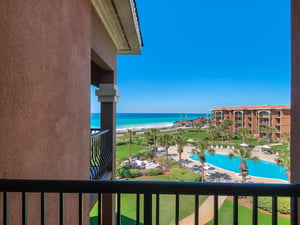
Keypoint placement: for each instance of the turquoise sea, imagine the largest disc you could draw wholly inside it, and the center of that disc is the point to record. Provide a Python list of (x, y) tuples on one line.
[(127, 120)]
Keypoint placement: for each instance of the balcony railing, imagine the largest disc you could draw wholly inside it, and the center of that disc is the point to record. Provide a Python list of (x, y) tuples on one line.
[(100, 155), (150, 193)]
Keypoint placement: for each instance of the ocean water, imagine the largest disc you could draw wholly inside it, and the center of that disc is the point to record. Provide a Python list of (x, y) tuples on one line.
[(128, 120)]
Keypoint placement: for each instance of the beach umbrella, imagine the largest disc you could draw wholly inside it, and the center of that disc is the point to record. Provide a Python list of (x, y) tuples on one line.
[(190, 140), (266, 146), (244, 145)]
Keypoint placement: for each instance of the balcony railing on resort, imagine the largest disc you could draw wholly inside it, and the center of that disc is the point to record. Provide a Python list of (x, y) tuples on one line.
[(148, 198), (100, 155)]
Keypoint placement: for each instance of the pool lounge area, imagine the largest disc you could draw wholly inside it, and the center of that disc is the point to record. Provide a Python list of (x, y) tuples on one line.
[(260, 168)]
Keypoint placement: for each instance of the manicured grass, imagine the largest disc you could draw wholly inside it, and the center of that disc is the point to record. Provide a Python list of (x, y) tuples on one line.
[(123, 150), (278, 148), (245, 216), (166, 206), (196, 135)]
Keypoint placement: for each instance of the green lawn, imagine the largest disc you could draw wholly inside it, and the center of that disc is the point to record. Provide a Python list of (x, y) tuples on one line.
[(196, 135), (167, 206), (245, 216), (123, 150)]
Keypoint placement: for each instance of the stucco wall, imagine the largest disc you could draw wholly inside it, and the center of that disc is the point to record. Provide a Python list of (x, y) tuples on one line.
[(44, 88)]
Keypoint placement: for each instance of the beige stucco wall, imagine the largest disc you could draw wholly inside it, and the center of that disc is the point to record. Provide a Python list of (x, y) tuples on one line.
[(45, 49)]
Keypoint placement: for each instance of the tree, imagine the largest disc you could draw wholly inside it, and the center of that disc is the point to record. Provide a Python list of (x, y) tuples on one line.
[(225, 125), (212, 131), (287, 135), (130, 134), (180, 131), (198, 126), (244, 153), (268, 130), (147, 136), (201, 147), (283, 160), (154, 132), (167, 141), (244, 132), (181, 142)]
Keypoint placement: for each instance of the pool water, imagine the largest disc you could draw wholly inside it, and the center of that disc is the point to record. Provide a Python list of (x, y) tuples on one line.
[(259, 169)]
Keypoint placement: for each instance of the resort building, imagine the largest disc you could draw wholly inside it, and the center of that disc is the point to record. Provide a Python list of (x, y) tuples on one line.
[(256, 119), (50, 54)]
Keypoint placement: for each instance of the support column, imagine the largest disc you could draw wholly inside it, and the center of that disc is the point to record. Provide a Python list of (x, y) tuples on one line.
[(295, 96), (108, 96)]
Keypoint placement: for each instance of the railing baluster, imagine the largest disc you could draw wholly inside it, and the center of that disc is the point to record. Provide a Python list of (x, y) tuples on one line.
[(80, 209), (24, 208), (274, 210), (294, 213), (177, 209), (196, 209), (61, 209), (235, 210), (43, 209), (137, 209), (99, 209), (147, 209), (118, 209), (157, 209), (254, 210), (5, 208), (216, 213)]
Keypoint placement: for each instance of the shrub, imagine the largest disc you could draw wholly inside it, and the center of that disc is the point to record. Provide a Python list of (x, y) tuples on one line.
[(135, 173), (263, 142), (121, 143), (184, 174), (166, 162), (125, 172), (146, 154), (153, 172), (265, 203)]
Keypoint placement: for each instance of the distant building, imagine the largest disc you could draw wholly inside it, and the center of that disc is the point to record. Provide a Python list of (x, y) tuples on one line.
[(255, 118)]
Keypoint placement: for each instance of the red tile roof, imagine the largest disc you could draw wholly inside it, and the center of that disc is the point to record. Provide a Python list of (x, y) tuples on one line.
[(253, 107)]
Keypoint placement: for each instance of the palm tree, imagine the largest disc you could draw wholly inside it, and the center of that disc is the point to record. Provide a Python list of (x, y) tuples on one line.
[(154, 133), (198, 126), (180, 131), (181, 142), (130, 134), (283, 160), (244, 131), (268, 130), (225, 125), (147, 136), (287, 135), (244, 153), (212, 131), (200, 148), (167, 140)]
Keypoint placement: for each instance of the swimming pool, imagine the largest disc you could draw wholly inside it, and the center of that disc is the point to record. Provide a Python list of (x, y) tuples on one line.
[(258, 169)]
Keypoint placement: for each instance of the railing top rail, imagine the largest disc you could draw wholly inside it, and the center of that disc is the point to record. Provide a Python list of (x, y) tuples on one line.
[(99, 132), (149, 187)]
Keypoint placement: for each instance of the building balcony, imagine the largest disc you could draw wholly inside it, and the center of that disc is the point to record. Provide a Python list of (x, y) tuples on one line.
[(147, 195), (100, 154)]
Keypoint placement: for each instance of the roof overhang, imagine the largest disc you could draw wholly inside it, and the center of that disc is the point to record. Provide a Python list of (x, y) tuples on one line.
[(121, 20)]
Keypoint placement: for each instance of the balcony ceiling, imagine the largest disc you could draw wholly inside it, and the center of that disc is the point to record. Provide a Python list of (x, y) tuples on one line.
[(121, 20)]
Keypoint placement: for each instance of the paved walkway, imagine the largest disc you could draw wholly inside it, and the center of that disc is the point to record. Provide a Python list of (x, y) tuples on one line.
[(206, 211)]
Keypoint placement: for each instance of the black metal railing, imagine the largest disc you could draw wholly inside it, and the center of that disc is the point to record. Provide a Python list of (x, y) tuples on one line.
[(100, 154), (150, 192)]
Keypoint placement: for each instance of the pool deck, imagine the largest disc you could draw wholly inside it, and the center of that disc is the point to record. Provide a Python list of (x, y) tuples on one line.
[(216, 174)]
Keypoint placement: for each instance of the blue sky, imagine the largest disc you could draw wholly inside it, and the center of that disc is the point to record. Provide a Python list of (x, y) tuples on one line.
[(203, 54)]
